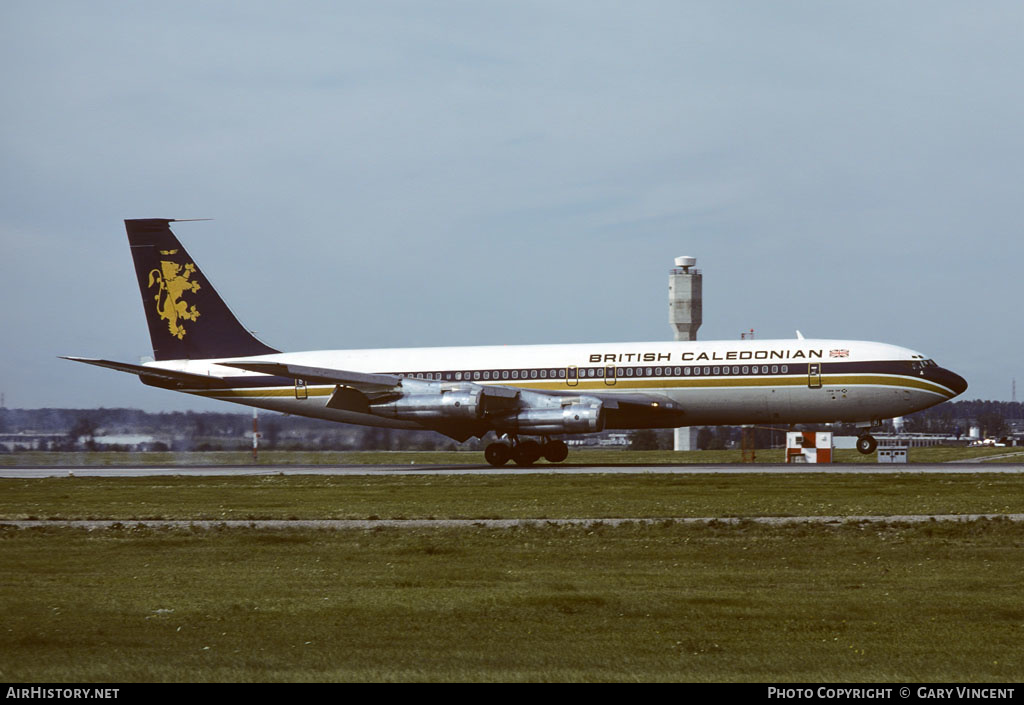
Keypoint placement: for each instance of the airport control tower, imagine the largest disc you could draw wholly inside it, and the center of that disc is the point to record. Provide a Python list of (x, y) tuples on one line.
[(685, 303), (684, 298)]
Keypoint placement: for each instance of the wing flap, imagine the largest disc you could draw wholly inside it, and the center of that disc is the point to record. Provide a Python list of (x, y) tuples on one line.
[(359, 380)]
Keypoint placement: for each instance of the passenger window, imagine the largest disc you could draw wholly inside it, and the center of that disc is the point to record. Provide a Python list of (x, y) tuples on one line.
[(785, 369), (718, 370)]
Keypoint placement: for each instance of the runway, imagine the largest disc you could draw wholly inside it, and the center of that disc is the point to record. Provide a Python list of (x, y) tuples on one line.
[(761, 468)]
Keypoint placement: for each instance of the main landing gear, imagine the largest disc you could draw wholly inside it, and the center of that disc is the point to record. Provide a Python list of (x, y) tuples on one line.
[(525, 452)]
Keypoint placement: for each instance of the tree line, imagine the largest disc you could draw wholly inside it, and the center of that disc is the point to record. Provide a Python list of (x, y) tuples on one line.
[(993, 419), (77, 429)]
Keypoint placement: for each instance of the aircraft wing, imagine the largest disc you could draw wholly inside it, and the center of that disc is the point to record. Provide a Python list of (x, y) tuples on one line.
[(372, 384), (379, 387), (362, 381)]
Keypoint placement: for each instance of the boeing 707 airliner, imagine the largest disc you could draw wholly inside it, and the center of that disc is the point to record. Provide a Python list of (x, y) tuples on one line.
[(527, 395)]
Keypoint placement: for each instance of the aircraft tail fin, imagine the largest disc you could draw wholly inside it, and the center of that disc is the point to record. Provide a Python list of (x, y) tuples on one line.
[(187, 317)]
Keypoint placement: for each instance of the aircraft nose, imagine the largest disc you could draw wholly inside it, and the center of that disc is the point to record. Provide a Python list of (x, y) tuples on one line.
[(951, 379)]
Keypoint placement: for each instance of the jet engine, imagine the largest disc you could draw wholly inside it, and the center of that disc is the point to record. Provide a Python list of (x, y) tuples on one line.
[(446, 405), (571, 418)]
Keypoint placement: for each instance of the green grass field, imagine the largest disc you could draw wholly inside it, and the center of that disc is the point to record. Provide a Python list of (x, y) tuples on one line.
[(938, 603), (525, 496)]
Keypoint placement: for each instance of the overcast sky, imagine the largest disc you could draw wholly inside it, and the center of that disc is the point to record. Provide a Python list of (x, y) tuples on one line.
[(392, 174)]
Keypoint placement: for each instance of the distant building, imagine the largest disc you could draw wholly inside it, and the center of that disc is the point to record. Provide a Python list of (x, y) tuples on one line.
[(30, 440), (134, 441)]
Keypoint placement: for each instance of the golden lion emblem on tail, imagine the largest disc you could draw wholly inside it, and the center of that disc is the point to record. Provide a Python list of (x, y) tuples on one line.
[(172, 280)]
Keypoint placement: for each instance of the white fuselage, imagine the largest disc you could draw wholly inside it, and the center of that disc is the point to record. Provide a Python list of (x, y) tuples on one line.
[(715, 382)]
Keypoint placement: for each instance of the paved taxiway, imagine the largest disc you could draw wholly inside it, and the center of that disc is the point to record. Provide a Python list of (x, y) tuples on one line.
[(214, 471)]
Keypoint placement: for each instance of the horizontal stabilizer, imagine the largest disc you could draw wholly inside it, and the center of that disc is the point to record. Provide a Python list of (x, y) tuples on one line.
[(156, 375)]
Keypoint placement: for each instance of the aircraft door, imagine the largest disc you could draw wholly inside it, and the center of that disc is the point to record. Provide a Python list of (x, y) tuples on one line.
[(609, 375), (814, 375), (300, 389), (572, 376)]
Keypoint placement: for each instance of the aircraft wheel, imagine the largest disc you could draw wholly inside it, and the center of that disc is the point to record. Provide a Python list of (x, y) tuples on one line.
[(867, 444), (497, 454), (527, 453), (555, 451)]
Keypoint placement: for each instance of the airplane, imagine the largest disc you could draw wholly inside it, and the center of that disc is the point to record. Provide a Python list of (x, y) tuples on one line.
[(527, 395)]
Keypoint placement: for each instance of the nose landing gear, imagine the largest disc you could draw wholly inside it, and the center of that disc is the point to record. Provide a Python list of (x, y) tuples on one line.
[(867, 444)]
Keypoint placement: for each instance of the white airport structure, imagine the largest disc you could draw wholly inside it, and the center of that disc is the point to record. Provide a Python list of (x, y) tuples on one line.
[(809, 447), (685, 314), (892, 452)]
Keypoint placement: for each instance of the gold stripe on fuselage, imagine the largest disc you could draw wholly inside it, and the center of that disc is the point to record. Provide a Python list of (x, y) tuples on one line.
[(625, 384)]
